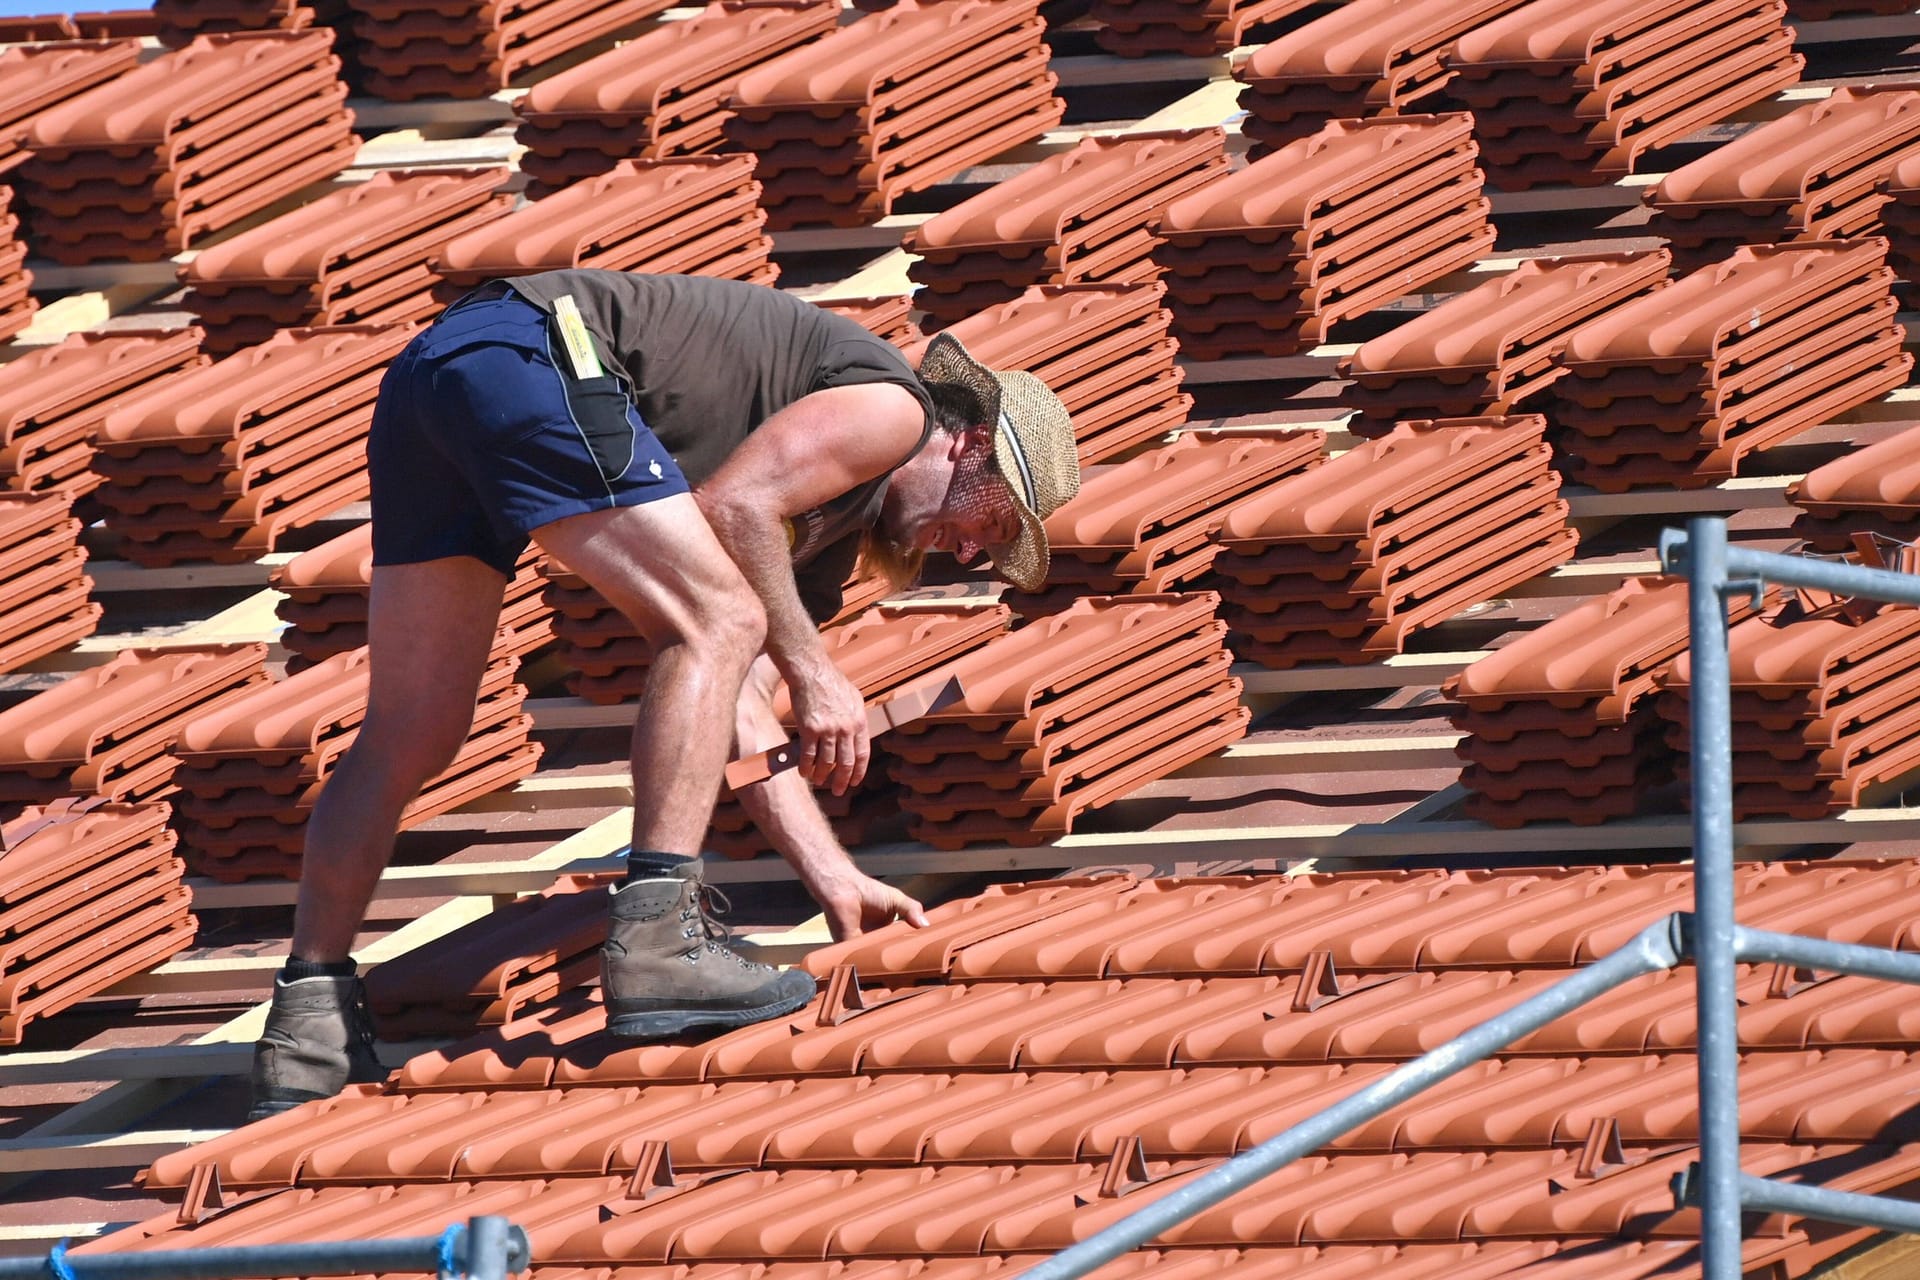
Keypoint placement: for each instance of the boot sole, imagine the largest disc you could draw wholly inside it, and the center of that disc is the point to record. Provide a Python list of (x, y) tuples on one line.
[(666, 1024)]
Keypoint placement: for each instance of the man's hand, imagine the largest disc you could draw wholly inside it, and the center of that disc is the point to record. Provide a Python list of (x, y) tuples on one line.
[(834, 745), (856, 903)]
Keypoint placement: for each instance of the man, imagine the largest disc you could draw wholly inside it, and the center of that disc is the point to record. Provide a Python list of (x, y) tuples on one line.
[(711, 456)]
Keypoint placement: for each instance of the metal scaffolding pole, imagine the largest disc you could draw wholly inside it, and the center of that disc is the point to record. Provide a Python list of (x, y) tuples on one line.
[(484, 1248)]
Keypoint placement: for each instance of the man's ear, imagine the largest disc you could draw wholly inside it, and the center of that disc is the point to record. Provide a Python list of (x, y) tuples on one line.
[(976, 437)]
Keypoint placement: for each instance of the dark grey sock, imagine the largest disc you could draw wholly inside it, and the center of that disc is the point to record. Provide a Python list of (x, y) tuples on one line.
[(651, 864), (297, 969)]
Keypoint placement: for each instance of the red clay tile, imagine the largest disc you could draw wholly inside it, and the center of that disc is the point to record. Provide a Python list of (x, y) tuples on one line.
[(471, 51), (34, 79), (1197, 28)]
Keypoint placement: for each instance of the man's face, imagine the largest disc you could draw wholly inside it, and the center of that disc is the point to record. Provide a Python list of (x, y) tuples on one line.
[(977, 512)]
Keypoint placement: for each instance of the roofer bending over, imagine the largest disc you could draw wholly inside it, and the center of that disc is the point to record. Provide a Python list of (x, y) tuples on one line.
[(712, 457)]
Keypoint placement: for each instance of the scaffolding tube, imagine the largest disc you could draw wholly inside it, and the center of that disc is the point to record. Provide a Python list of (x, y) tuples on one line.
[(483, 1248)]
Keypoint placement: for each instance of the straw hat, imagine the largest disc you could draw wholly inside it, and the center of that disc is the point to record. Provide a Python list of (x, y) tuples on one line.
[(1033, 449)]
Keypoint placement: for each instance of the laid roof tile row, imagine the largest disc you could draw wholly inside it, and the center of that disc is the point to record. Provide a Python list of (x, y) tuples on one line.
[(146, 164), (1266, 259), (1066, 714), (1084, 215), (90, 893), (53, 398), (1151, 524), (879, 650), (252, 765), (1826, 705), (359, 255), (1367, 57), (1872, 489), (843, 126), (1495, 347), (1344, 561), (1105, 349), (1579, 91), (1677, 386), (471, 48), (325, 593), (700, 215), (217, 462), (1813, 174), (109, 730), (49, 602), (1560, 724), (659, 96)]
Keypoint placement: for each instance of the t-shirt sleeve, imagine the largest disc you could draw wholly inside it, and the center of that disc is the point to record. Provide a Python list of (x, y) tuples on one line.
[(862, 358), (822, 578)]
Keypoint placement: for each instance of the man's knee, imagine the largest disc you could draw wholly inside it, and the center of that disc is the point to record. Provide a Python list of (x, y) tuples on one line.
[(405, 754), (727, 626)]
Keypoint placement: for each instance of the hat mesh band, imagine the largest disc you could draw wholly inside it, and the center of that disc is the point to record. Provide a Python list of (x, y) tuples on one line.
[(1008, 434)]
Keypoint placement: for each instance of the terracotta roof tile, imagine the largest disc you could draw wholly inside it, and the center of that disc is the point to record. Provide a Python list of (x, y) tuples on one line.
[(1813, 174), (350, 257), (1728, 386), (659, 95), (142, 166), (48, 603), (1873, 489), (1575, 92), (1197, 28), (89, 895), (1372, 57), (1072, 217), (34, 79), (892, 103), (217, 462), (889, 317), (1493, 347), (1266, 259), (469, 51), (696, 215)]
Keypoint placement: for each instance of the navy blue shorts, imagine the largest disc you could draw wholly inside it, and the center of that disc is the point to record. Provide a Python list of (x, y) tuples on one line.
[(479, 438)]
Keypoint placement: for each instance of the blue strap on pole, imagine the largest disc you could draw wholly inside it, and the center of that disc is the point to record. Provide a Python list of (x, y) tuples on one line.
[(445, 1260), (57, 1263)]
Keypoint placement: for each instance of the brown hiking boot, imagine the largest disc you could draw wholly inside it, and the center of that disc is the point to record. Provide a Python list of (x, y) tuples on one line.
[(318, 1040), (666, 968)]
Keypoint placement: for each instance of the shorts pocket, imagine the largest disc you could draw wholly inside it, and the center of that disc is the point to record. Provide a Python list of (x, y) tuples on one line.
[(603, 413)]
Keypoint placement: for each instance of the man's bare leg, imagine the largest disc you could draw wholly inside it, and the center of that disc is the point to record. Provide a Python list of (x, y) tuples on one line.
[(661, 566), (429, 629), (663, 974)]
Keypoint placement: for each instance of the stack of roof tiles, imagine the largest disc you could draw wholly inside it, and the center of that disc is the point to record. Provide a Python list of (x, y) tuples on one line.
[(881, 650), (1816, 173), (1365, 58), (1900, 217), (1826, 705), (355, 256), (1047, 1058), (1104, 349), (109, 731), (251, 767), (1067, 714), (1196, 28), (216, 463), (886, 317), (181, 20), (1560, 724), (1579, 90), (326, 592), (35, 78), (1083, 216), (1344, 561), (659, 96), (1676, 387), (1265, 260), (1493, 348), (517, 959), (48, 603), (471, 48), (1874, 490), (696, 216), (895, 102), (107, 24), (606, 656), (1151, 524), (153, 161), (17, 305), (90, 894), (53, 398)]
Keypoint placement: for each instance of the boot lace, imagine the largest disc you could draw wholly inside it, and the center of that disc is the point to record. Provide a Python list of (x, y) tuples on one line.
[(703, 927)]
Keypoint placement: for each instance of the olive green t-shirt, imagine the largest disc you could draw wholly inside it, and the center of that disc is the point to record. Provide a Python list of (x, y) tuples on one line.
[(707, 361)]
